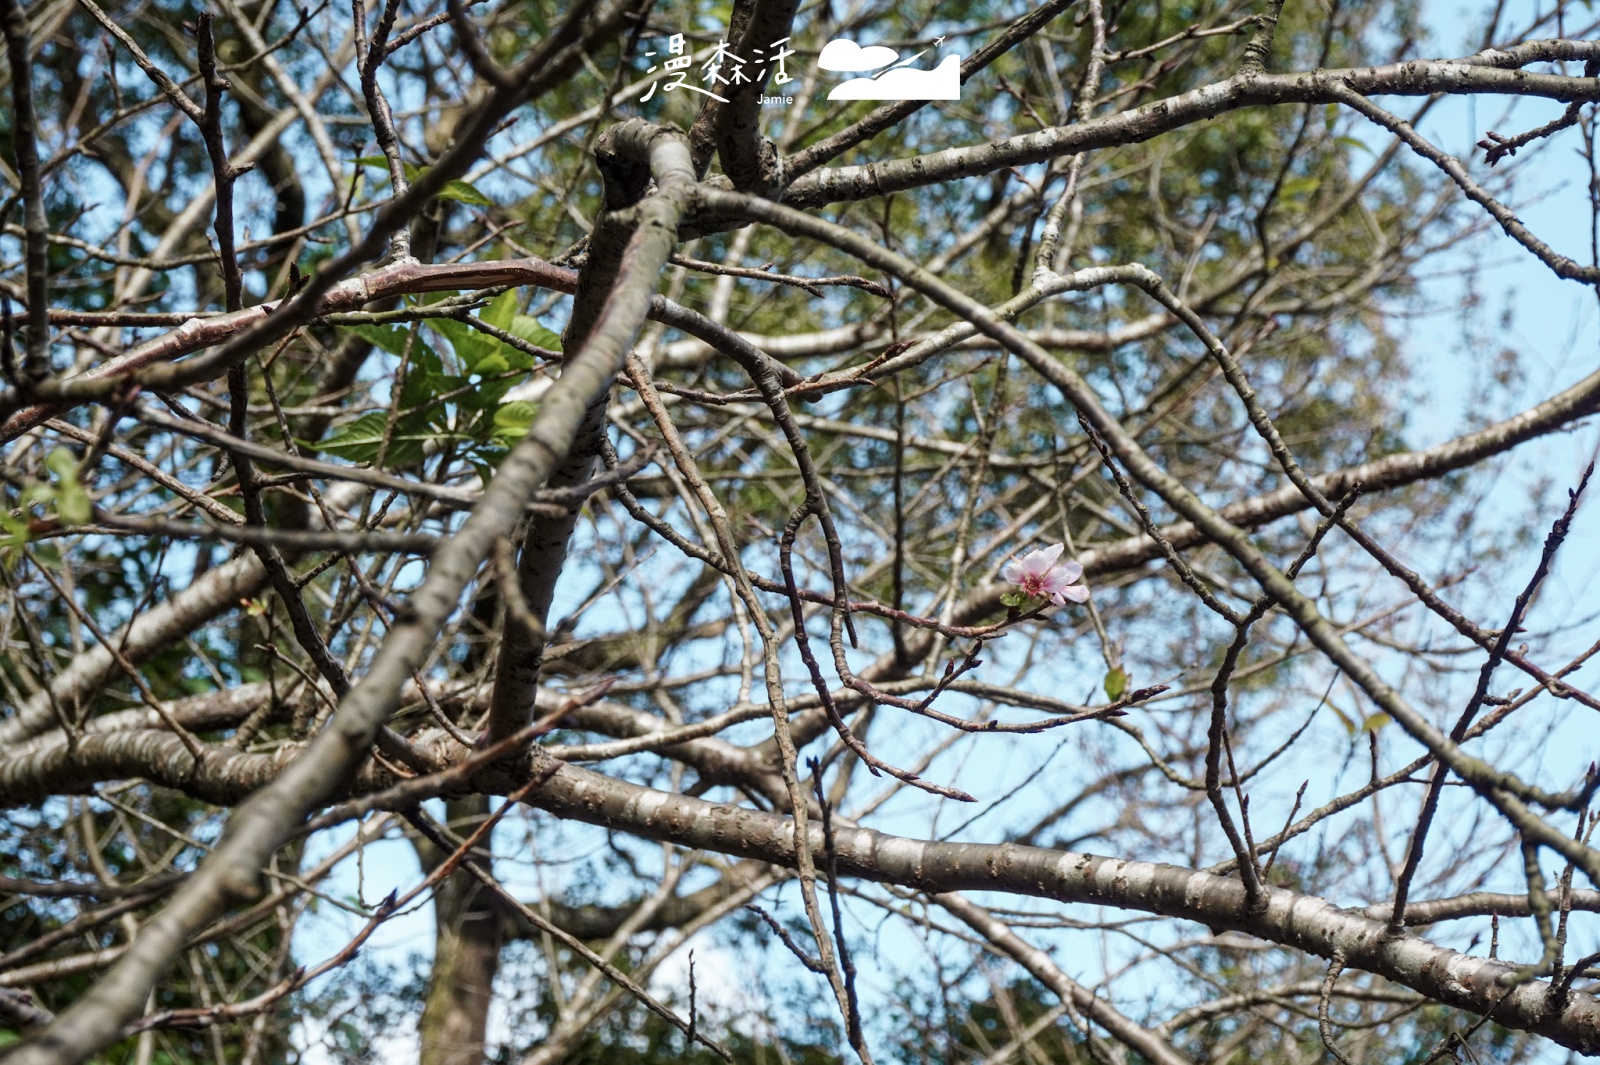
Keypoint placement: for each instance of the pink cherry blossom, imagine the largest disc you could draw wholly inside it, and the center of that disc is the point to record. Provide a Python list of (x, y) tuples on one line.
[(1037, 574)]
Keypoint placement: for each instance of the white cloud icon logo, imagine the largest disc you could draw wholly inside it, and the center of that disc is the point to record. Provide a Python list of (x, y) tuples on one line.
[(850, 57), (906, 83)]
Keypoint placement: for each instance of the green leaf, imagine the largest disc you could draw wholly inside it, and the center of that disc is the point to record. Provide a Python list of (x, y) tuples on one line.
[(411, 433), (72, 499), (528, 328), (501, 311), (62, 463), (459, 191), (496, 363), (359, 440), (362, 439), (38, 492), (425, 379), (1300, 186), (1116, 683), (1344, 719), (480, 353), (1352, 142), (485, 396), (13, 531), (73, 503), (472, 348), (1375, 722), (512, 421), (1013, 598), (383, 337), (502, 315)]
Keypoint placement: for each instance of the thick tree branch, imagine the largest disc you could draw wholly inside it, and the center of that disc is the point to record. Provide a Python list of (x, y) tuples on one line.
[(1495, 72), (1297, 921)]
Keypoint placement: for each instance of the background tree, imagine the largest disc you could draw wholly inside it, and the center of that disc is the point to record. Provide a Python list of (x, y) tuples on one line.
[(452, 473)]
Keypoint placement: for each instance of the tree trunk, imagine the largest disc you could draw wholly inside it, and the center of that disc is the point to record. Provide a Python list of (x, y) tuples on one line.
[(469, 929)]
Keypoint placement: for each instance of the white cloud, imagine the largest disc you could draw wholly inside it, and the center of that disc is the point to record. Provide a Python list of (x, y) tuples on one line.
[(906, 83), (850, 57)]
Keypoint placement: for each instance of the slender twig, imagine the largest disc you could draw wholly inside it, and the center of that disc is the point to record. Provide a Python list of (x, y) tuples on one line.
[(25, 150), (1324, 1023), (1495, 147), (853, 1016), (1519, 609), (369, 57)]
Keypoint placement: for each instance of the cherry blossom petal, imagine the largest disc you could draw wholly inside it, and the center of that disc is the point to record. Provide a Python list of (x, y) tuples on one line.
[(1041, 560)]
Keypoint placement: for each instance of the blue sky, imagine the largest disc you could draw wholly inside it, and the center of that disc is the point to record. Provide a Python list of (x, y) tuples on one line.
[(1551, 325)]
